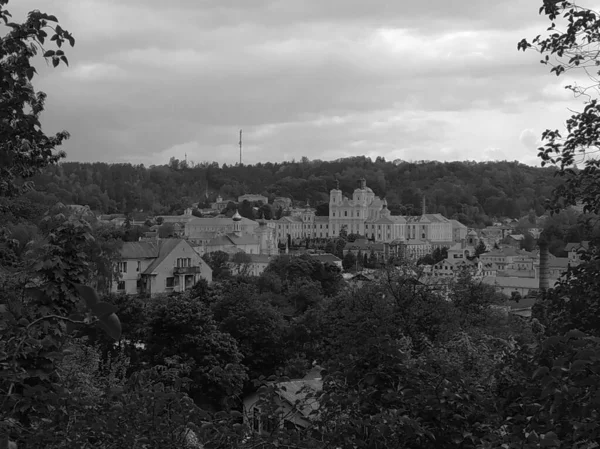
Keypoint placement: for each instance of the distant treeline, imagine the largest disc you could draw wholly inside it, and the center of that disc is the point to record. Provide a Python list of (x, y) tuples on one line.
[(472, 192)]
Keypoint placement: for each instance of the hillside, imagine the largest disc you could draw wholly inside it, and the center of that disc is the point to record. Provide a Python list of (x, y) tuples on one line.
[(472, 192)]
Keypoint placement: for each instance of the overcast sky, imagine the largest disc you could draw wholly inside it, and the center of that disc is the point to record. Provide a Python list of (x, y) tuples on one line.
[(428, 79)]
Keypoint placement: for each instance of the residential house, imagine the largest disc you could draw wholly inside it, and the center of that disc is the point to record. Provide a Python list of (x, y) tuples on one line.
[(201, 230), (520, 285), (258, 263), (163, 266), (514, 240), (327, 258), (501, 257), (412, 249), (574, 251), (296, 403), (220, 204)]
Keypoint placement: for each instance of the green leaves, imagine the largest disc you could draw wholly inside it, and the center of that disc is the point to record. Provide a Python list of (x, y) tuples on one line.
[(105, 312)]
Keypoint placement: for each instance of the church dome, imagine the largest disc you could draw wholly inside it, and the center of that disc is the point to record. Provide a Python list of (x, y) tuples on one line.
[(237, 216)]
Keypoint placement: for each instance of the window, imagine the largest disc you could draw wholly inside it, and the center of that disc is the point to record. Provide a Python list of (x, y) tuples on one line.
[(170, 282), (122, 267), (139, 284), (139, 266), (121, 285), (345, 213), (184, 262)]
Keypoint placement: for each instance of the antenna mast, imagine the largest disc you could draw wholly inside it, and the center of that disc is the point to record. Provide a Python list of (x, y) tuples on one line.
[(240, 147)]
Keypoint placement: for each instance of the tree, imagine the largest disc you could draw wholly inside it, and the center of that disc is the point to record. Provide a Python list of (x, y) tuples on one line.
[(24, 148), (166, 230), (480, 248), (184, 329), (257, 326), (570, 45), (242, 263), (349, 261), (218, 261)]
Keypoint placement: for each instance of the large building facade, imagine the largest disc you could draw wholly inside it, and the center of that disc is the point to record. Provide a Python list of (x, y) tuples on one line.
[(368, 215)]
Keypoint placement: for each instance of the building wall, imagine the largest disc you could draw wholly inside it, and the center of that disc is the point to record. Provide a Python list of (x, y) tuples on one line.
[(130, 277)]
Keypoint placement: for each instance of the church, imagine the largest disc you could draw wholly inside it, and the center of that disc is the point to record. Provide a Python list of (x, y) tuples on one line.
[(368, 215)]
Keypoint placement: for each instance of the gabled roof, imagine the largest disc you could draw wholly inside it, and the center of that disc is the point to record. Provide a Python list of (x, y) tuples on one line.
[(259, 258), (243, 239), (296, 391), (326, 258), (457, 224), (139, 250), (576, 246), (165, 247), (289, 219)]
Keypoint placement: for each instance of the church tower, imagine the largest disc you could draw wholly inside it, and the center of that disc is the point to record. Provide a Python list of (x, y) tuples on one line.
[(237, 224), (335, 195)]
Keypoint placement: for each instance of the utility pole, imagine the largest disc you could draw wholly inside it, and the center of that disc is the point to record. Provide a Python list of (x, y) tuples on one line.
[(240, 147)]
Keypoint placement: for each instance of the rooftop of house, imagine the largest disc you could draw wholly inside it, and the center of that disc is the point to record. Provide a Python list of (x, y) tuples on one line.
[(576, 246), (260, 258), (165, 246), (218, 221), (326, 258)]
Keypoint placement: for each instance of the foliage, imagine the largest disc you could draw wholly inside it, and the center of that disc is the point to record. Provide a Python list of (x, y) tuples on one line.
[(184, 328), (25, 150), (256, 325), (218, 261), (470, 192), (573, 36)]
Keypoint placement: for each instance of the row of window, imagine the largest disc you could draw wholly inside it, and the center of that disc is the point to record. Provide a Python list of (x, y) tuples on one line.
[(122, 266)]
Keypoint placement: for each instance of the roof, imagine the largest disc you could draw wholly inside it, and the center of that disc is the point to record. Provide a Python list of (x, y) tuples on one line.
[(290, 219), (575, 246), (165, 247), (321, 218), (517, 236), (457, 224), (298, 390), (139, 250), (559, 262), (516, 282), (260, 258), (326, 258), (218, 221)]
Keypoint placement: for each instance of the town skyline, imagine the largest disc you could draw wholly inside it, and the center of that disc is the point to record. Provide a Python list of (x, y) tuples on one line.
[(427, 81)]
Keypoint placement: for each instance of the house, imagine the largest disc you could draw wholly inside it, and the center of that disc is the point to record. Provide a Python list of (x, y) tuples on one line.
[(220, 204), (160, 266), (328, 259), (514, 240), (258, 263), (574, 251), (295, 401), (520, 285), (200, 230)]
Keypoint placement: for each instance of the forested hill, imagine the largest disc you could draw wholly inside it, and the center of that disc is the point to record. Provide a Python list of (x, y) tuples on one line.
[(470, 191)]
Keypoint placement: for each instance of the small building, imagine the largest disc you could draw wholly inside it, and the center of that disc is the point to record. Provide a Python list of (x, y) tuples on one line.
[(327, 258), (296, 404), (163, 266)]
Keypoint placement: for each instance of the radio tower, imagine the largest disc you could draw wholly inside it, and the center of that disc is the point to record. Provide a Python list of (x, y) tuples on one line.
[(240, 147)]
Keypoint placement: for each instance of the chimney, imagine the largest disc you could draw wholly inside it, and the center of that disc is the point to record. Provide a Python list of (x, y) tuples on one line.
[(544, 283)]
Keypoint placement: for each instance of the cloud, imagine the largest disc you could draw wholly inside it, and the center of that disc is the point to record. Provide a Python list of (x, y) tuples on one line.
[(421, 80)]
